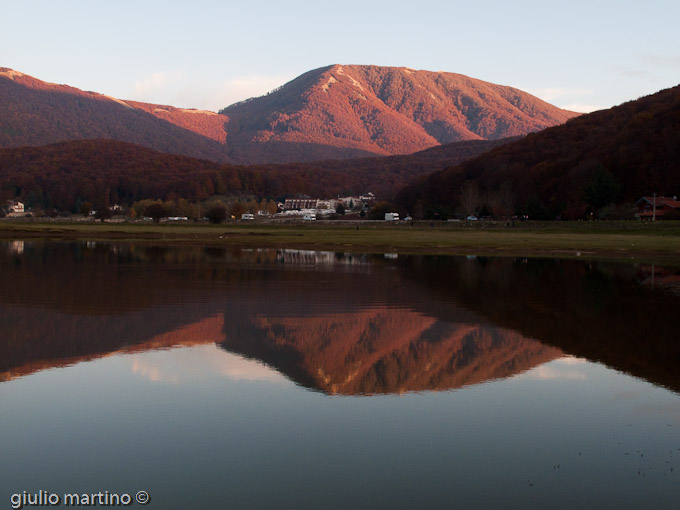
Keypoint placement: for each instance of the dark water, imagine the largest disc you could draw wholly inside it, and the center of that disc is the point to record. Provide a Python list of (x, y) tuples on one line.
[(286, 379)]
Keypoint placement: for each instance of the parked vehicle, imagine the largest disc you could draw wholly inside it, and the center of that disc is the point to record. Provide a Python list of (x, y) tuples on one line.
[(391, 216), (247, 216), (472, 218)]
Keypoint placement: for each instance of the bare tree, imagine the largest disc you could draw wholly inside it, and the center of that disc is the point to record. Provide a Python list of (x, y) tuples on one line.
[(470, 197)]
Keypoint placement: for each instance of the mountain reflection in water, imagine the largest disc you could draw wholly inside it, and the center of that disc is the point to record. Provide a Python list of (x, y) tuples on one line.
[(335, 323)]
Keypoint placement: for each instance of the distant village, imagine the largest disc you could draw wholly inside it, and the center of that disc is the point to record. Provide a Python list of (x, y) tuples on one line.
[(305, 208), (650, 208)]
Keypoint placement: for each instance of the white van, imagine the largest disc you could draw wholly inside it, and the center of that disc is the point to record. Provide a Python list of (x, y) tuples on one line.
[(247, 216)]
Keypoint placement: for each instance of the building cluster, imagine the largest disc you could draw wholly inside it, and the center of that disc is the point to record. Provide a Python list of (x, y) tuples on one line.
[(327, 206)]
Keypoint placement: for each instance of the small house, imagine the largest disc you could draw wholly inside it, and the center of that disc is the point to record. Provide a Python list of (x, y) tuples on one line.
[(15, 207), (655, 208)]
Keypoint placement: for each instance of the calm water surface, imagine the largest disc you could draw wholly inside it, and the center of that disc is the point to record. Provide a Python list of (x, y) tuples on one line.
[(287, 379)]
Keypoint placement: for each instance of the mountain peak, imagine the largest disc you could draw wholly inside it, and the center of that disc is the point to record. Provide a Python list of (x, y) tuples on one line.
[(10, 73), (354, 109)]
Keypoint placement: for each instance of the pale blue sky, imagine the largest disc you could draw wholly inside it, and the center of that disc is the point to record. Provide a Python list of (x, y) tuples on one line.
[(576, 54)]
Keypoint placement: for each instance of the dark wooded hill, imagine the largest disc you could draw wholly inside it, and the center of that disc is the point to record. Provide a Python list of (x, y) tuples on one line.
[(66, 174), (609, 156)]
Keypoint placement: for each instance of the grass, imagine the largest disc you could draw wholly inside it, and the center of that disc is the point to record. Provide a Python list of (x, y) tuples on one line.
[(563, 239)]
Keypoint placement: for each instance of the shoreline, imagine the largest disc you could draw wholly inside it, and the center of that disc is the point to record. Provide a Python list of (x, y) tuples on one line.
[(541, 239)]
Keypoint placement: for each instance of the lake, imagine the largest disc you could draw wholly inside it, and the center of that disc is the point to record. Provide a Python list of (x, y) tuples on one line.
[(217, 378)]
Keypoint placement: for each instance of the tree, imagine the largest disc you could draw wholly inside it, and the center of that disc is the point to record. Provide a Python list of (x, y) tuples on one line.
[(502, 201), (619, 212), (269, 206), (237, 209), (340, 209), (216, 213), (103, 213), (85, 208), (536, 209), (469, 197), (378, 211), (156, 211), (602, 189)]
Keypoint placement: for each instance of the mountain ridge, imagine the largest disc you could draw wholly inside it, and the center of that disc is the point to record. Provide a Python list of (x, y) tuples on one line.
[(408, 111), (334, 112), (36, 113)]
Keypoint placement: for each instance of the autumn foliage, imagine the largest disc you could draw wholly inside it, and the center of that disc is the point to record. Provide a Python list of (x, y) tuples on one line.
[(104, 172), (615, 155), (33, 112), (350, 111)]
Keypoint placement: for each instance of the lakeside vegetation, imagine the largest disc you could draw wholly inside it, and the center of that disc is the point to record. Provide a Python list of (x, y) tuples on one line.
[(552, 239)]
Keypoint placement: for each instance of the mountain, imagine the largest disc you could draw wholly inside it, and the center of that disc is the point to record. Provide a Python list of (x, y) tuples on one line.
[(349, 111), (33, 112), (617, 155), (382, 350), (335, 112)]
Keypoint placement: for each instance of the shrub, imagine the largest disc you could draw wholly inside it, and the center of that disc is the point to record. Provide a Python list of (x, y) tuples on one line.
[(216, 213)]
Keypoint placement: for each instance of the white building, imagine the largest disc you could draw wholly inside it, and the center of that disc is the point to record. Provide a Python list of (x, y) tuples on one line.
[(14, 207)]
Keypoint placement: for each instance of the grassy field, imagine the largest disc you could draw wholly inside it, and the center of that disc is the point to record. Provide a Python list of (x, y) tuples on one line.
[(563, 239)]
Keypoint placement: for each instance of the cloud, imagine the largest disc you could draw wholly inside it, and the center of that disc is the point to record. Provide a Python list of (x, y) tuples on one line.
[(245, 87), (177, 365), (652, 68), (186, 90), (547, 372), (553, 94), (567, 98), (663, 61), (155, 85), (637, 74), (564, 368), (582, 107), (570, 361), (152, 372)]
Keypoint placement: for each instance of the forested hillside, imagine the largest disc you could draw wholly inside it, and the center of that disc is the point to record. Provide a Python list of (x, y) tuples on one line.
[(607, 157), (103, 172), (349, 111)]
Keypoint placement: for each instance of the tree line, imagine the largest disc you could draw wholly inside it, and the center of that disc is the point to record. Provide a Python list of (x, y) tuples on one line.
[(597, 163)]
